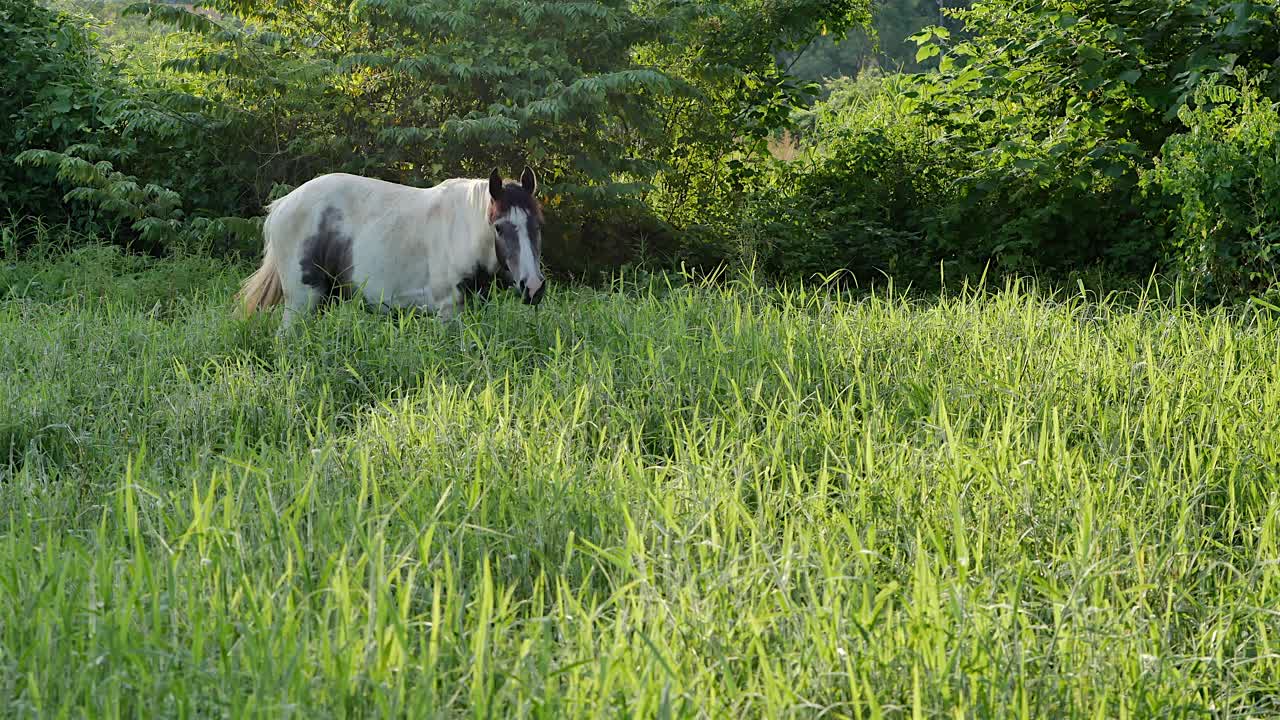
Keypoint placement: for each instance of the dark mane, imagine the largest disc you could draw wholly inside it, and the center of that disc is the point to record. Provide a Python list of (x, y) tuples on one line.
[(514, 196)]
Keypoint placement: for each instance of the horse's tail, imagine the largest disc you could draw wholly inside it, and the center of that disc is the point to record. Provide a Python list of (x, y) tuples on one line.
[(262, 289)]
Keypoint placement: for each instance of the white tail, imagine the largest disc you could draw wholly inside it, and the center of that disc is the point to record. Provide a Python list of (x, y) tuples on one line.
[(262, 289)]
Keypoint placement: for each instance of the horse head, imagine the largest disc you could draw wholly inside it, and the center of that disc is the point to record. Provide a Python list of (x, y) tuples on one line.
[(516, 216)]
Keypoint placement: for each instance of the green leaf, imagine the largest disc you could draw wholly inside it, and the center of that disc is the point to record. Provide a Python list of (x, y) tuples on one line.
[(1089, 52), (923, 36)]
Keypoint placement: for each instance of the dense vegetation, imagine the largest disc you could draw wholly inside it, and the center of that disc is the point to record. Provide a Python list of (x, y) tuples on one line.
[(1053, 137), (886, 44), (607, 99), (1040, 136), (666, 500)]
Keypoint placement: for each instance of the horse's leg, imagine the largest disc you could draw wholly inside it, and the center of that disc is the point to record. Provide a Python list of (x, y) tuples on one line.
[(450, 306), (416, 300), (299, 302), (444, 305), (449, 312), (288, 317)]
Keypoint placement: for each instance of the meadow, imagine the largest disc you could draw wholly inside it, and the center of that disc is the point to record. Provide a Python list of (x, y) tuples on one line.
[(667, 498)]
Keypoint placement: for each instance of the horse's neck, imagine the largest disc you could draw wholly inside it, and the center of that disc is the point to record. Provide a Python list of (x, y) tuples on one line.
[(468, 201), (469, 198)]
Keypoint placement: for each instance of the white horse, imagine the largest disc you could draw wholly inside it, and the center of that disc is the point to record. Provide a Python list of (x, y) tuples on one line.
[(398, 246)]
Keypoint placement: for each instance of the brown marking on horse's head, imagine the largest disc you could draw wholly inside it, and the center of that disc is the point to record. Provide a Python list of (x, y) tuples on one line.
[(504, 197)]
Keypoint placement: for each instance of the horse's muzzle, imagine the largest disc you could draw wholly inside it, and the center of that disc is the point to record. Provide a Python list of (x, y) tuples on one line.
[(536, 296)]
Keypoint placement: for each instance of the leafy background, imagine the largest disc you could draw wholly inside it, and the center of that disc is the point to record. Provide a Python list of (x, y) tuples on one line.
[(912, 139)]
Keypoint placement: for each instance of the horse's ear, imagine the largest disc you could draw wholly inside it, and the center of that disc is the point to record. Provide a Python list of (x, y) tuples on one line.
[(528, 180), (495, 185)]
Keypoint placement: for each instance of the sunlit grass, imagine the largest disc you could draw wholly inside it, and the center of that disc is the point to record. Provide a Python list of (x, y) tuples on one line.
[(663, 501)]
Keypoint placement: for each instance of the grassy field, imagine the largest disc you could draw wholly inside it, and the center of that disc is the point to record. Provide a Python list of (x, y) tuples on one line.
[(662, 501)]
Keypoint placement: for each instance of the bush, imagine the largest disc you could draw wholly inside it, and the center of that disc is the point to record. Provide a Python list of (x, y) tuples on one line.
[(86, 146), (588, 238), (1043, 214), (1223, 176), (861, 200), (1025, 150), (53, 93), (889, 188), (1062, 106)]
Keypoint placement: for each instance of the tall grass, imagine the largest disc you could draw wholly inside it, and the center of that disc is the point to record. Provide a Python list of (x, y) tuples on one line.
[(667, 500)]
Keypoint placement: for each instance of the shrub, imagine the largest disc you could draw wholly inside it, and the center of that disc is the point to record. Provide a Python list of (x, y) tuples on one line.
[(715, 149), (861, 200), (1063, 105), (1042, 211), (1223, 177), (891, 188), (53, 93), (86, 146)]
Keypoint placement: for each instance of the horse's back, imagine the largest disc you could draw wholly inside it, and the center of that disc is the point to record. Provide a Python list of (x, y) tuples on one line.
[(341, 197), (344, 189)]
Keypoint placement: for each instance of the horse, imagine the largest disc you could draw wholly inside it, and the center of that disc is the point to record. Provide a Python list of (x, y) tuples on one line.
[(399, 247)]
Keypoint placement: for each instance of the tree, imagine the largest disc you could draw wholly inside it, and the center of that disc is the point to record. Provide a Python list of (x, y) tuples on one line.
[(716, 138), (413, 91), (887, 45), (271, 94)]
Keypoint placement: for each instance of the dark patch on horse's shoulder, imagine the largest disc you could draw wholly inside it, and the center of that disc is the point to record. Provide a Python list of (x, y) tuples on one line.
[(326, 257), (477, 283)]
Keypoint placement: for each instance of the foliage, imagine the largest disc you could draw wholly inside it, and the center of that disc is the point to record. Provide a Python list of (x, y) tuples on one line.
[(1025, 148), (602, 97), (78, 121), (1224, 175), (1066, 102), (668, 500), (886, 189), (416, 92), (844, 98), (716, 141), (651, 124), (1110, 71), (861, 201), (55, 94), (117, 32), (887, 45)]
